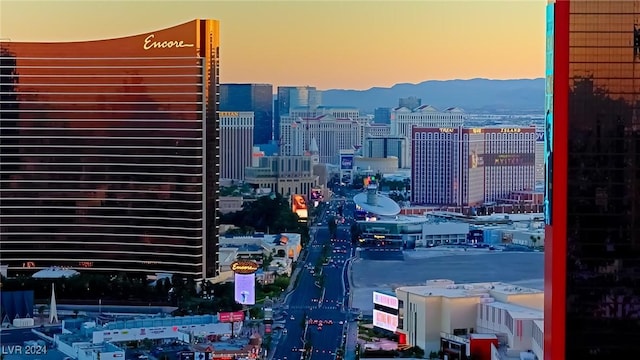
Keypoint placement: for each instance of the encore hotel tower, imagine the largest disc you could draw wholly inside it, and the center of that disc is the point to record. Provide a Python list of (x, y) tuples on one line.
[(592, 262), (109, 153)]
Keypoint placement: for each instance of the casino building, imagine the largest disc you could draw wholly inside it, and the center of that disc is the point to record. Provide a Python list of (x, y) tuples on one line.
[(110, 154)]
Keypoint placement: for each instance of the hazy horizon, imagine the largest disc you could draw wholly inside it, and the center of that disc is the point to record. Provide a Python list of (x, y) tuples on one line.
[(351, 45)]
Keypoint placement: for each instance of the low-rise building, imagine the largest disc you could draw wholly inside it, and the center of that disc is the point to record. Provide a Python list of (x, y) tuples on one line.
[(413, 231), (442, 310)]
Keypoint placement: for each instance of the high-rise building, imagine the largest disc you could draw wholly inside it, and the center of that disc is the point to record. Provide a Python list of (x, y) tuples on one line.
[(334, 129), (110, 153), (470, 166), (236, 134), (404, 118), (410, 102), (382, 147), (592, 262), (257, 98), (382, 115), (292, 97)]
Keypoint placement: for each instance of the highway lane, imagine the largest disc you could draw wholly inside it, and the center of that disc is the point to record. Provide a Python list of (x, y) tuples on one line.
[(310, 303)]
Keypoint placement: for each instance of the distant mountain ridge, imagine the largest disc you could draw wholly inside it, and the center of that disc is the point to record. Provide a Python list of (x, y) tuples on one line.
[(473, 95)]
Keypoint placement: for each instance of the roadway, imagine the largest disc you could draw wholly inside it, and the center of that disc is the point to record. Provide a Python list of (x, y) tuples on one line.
[(314, 301)]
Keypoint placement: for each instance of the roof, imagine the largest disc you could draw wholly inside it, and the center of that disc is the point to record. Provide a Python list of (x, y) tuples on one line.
[(382, 206), (449, 289), (55, 273), (517, 311)]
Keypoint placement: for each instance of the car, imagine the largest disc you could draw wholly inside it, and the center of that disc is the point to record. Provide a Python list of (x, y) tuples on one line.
[(341, 322), (284, 331), (292, 317)]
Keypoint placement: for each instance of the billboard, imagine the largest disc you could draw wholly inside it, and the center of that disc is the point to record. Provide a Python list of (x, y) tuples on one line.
[(539, 136), (299, 206), (522, 159), (346, 162), (230, 317), (476, 150), (245, 288), (316, 195), (384, 320), (385, 300)]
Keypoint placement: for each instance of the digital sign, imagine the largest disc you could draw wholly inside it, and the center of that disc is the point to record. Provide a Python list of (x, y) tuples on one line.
[(346, 162), (384, 320), (385, 300), (229, 114), (548, 125), (245, 288), (510, 130), (299, 206)]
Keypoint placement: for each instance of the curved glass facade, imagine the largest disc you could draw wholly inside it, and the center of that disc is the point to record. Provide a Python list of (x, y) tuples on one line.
[(110, 152)]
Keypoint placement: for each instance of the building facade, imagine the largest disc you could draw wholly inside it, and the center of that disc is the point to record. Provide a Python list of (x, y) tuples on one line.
[(471, 166), (404, 118), (593, 180), (382, 147), (292, 97), (236, 137), (110, 153), (334, 129), (256, 98), (285, 175), (382, 115)]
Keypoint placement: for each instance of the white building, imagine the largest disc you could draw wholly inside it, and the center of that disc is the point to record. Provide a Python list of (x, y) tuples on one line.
[(414, 231), (236, 143), (285, 175), (425, 116), (377, 130), (440, 307), (334, 129)]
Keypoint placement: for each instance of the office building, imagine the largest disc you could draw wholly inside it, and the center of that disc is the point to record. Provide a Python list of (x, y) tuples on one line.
[(592, 257), (377, 130), (471, 166), (110, 153), (292, 97), (382, 115), (257, 98), (236, 136)]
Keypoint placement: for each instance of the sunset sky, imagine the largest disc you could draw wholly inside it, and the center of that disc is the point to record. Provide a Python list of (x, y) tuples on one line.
[(328, 44)]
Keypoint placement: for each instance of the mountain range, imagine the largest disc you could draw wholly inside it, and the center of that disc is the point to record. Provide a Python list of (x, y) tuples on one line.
[(473, 95)]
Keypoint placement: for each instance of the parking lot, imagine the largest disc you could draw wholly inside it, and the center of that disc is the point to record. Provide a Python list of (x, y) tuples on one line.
[(473, 265)]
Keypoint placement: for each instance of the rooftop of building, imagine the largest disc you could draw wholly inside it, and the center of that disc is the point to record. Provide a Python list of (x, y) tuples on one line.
[(449, 289), (517, 311)]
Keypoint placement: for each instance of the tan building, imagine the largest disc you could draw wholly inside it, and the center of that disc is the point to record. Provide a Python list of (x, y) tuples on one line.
[(236, 143), (440, 307), (285, 175)]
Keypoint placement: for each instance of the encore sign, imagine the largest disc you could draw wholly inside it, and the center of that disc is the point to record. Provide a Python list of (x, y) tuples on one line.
[(244, 267), (150, 44)]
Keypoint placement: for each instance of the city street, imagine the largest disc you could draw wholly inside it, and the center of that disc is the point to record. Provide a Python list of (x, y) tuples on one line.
[(313, 302)]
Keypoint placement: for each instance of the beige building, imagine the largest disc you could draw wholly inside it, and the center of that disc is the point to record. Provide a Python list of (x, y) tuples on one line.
[(236, 143), (440, 307), (285, 175), (374, 165)]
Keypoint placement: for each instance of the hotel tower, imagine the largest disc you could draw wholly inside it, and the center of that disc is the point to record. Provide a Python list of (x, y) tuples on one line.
[(109, 153), (592, 260)]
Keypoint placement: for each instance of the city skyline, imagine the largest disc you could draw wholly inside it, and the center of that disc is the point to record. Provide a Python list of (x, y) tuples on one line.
[(503, 40)]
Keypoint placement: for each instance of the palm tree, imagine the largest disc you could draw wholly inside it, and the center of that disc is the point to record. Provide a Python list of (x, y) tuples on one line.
[(41, 310)]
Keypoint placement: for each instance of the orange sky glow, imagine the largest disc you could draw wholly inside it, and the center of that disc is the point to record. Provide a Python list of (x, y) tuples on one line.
[(327, 44)]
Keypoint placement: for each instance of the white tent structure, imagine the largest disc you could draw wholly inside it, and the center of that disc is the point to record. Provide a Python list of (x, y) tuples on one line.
[(53, 310)]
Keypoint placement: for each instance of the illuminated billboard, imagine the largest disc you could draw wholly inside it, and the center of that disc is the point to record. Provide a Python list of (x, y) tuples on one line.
[(245, 288), (385, 300), (299, 206), (316, 195), (230, 317), (346, 162), (384, 320)]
